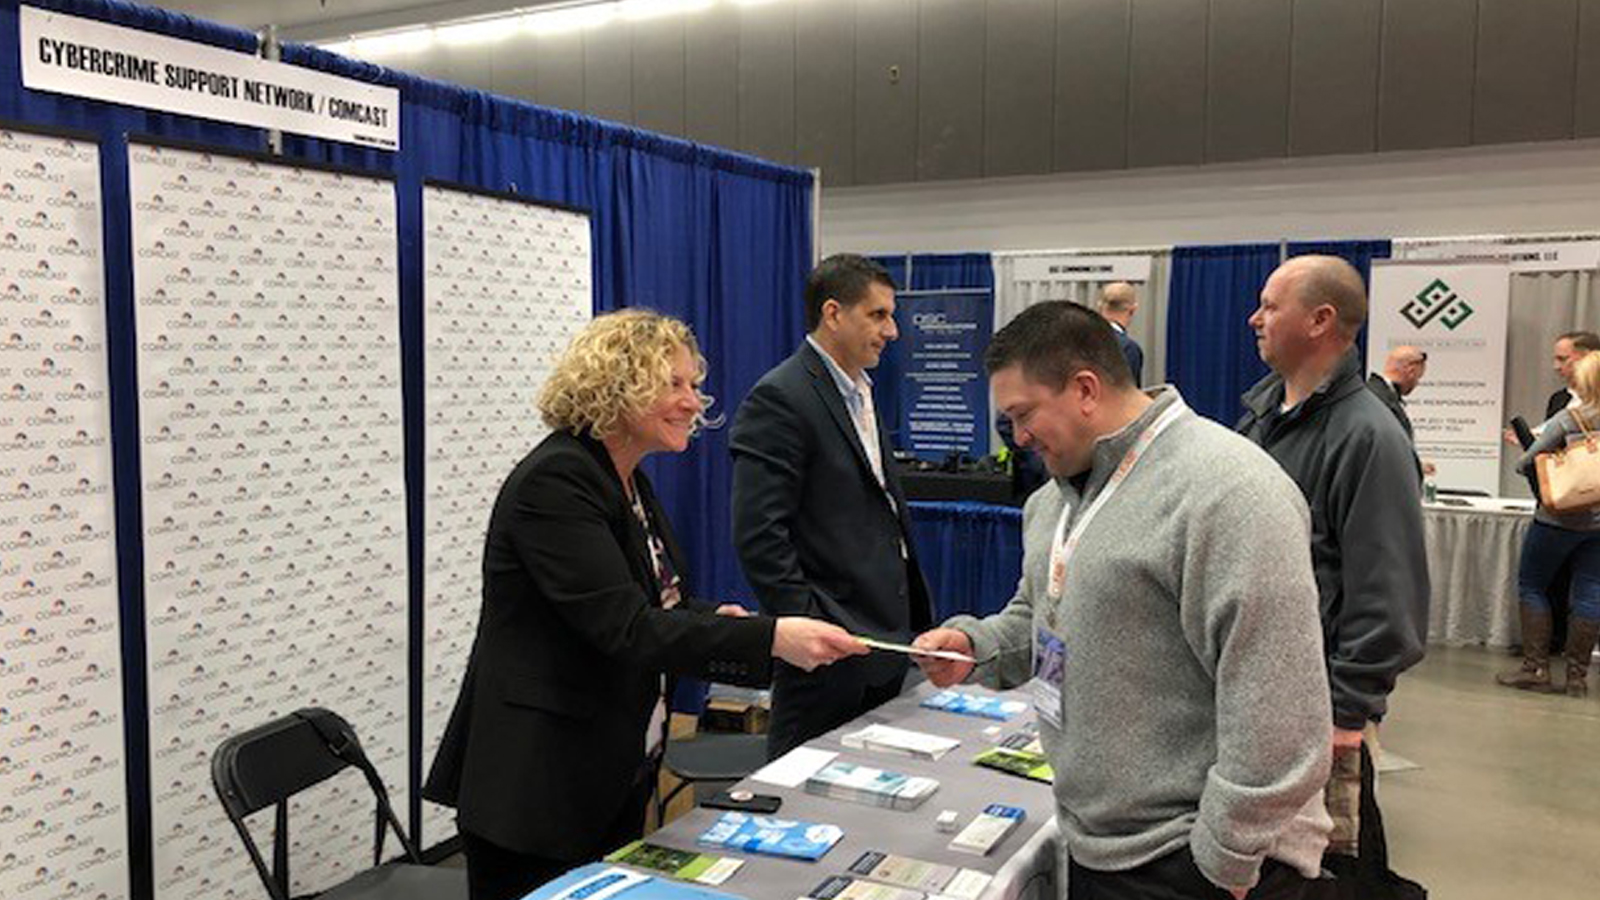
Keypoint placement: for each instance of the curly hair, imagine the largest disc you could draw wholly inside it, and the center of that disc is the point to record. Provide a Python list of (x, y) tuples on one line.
[(616, 368)]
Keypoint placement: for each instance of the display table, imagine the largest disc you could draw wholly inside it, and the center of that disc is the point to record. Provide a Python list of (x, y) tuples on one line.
[(971, 554), (1473, 546), (1021, 864)]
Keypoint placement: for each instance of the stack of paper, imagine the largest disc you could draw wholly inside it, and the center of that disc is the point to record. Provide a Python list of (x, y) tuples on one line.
[(864, 784), (888, 739), (680, 864), (1025, 763), (932, 878)]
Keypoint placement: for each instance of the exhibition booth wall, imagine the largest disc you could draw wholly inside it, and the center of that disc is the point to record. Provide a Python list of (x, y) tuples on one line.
[(128, 652)]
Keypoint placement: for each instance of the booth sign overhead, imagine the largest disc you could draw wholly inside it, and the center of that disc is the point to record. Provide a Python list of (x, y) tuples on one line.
[(86, 58)]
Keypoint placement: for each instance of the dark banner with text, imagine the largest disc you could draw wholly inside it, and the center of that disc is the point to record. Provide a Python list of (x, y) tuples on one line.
[(943, 394)]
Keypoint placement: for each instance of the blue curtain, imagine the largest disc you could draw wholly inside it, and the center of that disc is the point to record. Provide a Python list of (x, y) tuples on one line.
[(719, 239), (1211, 351), (971, 554), (1358, 253)]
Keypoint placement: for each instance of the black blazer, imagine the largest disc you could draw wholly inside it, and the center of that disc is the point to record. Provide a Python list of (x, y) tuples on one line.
[(1557, 402), (547, 736), (814, 531), (1133, 353), (1383, 390)]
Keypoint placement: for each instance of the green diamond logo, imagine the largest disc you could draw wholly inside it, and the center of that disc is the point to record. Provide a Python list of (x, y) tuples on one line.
[(1437, 301)]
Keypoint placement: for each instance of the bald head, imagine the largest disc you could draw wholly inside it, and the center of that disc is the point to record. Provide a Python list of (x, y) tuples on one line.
[(1404, 368), (1327, 280), (1118, 302)]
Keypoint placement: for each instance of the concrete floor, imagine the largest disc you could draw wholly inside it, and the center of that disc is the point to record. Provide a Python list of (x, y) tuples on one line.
[(1507, 800)]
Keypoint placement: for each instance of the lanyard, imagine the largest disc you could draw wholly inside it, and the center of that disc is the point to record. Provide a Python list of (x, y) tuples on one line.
[(1065, 543)]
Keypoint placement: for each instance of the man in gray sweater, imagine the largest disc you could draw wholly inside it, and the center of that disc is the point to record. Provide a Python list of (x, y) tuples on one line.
[(1167, 618)]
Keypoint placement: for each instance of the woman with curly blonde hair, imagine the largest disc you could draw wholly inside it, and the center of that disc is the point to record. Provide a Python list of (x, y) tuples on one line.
[(552, 751)]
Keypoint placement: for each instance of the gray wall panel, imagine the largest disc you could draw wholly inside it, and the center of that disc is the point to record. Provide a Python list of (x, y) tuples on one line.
[(950, 92), (658, 72), (1019, 74), (515, 73), (886, 101), (711, 87), (1167, 82), (1333, 76), (766, 81), (1425, 82), (825, 89), (1247, 80), (1091, 85), (1587, 99), (1526, 57), (608, 72), (558, 65)]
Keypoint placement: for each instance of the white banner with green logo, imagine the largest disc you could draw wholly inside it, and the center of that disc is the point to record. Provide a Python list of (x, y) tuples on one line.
[(1455, 313)]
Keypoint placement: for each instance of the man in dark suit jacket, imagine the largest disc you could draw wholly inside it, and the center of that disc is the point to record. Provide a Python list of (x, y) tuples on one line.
[(1570, 347), (1118, 302), (1402, 372), (819, 518)]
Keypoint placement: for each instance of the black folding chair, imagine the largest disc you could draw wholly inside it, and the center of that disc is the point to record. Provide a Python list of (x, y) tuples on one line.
[(265, 766)]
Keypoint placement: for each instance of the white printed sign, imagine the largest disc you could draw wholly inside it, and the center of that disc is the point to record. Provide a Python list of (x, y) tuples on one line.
[(274, 517), (1071, 267), (63, 807), (1455, 313), (1522, 256), (88, 58), (506, 286)]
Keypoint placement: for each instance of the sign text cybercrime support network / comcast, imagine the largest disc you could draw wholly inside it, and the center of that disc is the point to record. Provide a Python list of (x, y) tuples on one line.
[(86, 58)]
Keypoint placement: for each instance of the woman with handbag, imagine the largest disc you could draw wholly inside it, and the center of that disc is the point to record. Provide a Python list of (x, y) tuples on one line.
[(1566, 528)]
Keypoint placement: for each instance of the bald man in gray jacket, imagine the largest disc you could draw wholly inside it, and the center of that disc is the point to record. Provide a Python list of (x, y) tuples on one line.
[(1166, 622)]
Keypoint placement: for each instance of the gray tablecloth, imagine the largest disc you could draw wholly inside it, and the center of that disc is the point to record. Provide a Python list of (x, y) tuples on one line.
[(1021, 864), (1472, 562)]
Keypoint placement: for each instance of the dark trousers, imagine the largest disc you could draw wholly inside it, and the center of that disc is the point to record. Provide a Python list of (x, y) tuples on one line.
[(496, 873), (1545, 552), (808, 704), (1366, 876), (1176, 877)]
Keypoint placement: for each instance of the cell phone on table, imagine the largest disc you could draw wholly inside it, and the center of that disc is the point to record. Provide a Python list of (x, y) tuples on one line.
[(744, 801)]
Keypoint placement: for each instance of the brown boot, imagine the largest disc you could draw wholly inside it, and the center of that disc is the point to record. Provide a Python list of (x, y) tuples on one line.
[(1534, 673), (1581, 636)]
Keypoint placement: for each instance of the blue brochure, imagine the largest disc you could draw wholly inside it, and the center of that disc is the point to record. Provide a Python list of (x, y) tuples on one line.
[(772, 837), (997, 708), (602, 881)]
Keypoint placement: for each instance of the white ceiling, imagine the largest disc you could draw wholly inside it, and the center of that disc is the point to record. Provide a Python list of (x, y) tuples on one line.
[(314, 20)]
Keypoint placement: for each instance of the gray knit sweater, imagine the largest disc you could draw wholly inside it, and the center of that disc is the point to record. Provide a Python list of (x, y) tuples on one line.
[(1195, 702)]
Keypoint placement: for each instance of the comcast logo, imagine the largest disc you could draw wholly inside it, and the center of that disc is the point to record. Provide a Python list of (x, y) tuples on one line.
[(1437, 301)]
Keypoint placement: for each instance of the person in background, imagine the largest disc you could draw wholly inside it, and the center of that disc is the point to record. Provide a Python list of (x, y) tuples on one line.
[(1569, 348), (551, 753), (1314, 415), (1118, 302), (1555, 540), (1402, 372), (1168, 616), (819, 519)]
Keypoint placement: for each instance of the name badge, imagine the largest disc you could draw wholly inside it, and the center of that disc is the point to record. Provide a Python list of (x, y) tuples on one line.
[(1049, 669)]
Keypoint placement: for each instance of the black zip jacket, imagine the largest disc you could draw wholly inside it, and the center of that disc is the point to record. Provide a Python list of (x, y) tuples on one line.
[(1353, 463)]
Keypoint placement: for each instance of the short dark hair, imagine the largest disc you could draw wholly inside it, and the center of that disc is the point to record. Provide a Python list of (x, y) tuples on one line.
[(843, 277), (1587, 341), (1053, 340)]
